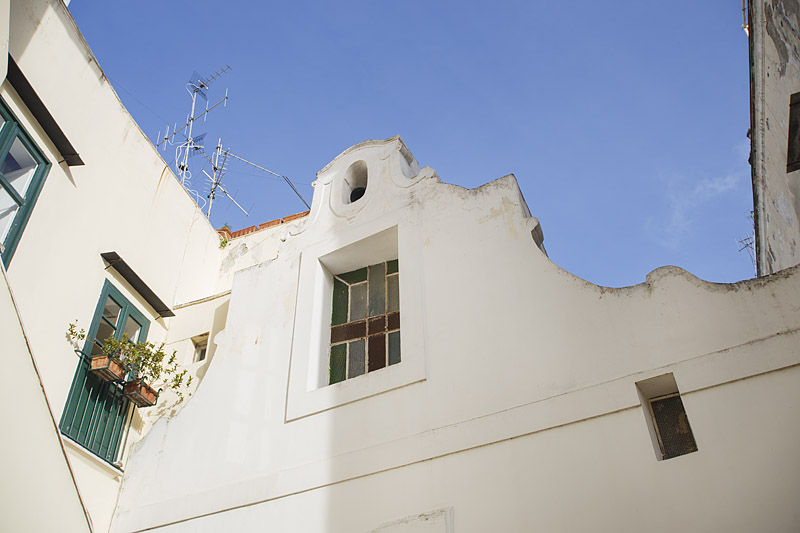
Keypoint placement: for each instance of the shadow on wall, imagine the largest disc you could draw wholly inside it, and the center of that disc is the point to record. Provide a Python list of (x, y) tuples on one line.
[(217, 325)]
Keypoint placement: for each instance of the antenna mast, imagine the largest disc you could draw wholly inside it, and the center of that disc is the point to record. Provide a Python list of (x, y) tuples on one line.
[(196, 86), (191, 144), (216, 179)]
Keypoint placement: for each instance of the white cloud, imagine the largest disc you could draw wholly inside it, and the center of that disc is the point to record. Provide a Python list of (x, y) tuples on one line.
[(684, 202)]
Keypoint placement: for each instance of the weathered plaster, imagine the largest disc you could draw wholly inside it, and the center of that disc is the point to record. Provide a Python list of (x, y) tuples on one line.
[(774, 76)]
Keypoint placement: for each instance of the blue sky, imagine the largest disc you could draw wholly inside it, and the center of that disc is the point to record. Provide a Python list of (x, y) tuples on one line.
[(625, 123)]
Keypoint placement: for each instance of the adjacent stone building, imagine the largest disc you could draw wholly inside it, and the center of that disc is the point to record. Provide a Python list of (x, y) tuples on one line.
[(774, 34)]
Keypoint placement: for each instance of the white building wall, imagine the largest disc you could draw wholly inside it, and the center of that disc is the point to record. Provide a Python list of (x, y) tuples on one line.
[(38, 490), (597, 475), (124, 199), (515, 403)]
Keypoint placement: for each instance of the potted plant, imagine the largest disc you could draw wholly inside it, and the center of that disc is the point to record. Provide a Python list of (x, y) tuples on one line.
[(106, 366), (147, 364), (140, 393), (143, 364)]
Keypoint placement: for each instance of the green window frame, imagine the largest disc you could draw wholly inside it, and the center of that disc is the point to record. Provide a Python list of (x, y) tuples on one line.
[(96, 412), (23, 169), (365, 321)]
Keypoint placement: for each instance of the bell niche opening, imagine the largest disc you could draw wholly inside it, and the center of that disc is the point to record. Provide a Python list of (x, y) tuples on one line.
[(355, 182)]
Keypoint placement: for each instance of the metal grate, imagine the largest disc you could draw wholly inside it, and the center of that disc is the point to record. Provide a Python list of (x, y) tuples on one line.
[(672, 425)]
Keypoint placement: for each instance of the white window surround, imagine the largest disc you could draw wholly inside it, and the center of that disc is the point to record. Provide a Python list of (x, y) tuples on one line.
[(378, 241)]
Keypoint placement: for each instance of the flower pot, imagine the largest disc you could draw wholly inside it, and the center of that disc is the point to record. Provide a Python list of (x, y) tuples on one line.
[(140, 393), (107, 368)]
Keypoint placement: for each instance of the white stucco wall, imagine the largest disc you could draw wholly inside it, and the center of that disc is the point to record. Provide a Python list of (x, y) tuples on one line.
[(35, 471), (124, 199), (515, 402), (597, 475)]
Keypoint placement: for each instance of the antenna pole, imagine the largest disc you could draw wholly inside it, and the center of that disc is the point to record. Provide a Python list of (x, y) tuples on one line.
[(214, 182), (184, 165), (232, 200), (286, 179)]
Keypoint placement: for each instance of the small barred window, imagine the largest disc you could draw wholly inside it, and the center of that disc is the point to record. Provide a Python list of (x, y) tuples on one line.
[(672, 425)]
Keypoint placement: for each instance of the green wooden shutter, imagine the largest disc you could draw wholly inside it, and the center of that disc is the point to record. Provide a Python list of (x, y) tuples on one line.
[(96, 413)]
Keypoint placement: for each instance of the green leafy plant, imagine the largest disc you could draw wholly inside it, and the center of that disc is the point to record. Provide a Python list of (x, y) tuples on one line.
[(75, 335), (144, 360), (223, 240)]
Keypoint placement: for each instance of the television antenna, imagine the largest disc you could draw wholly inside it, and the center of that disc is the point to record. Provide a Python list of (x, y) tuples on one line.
[(748, 243), (216, 180), (190, 145)]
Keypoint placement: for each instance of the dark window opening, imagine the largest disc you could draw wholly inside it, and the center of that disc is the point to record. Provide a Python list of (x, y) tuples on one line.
[(672, 426), (793, 150), (355, 182), (200, 347)]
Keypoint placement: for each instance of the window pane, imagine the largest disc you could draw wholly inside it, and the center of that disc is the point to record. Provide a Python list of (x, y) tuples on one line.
[(377, 352), (357, 352), (104, 331), (132, 329), (358, 301), (8, 209), (376, 325), (393, 321), (377, 289), (200, 351), (111, 313), (356, 276), (393, 293), (394, 347), (18, 167), (97, 349), (349, 331), (338, 363), (339, 311)]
